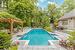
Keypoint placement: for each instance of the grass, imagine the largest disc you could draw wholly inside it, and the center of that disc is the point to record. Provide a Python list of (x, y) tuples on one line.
[(13, 48)]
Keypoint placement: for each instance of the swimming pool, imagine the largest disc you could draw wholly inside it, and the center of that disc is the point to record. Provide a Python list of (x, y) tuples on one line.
[(38, 37)]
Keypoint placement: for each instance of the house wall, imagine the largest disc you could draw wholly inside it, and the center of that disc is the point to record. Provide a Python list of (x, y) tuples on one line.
[(74, 23), (3, 5), (68, 23), (63, 23), (71, 23)]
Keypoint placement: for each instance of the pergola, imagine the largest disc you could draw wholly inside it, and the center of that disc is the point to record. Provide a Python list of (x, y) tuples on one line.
[(11, 21)]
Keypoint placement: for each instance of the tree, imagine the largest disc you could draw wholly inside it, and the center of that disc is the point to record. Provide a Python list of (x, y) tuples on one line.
[(54, 14), (27, 11), (22, 9), (72, 37), (51, 12), (4, 40), (68, 5)]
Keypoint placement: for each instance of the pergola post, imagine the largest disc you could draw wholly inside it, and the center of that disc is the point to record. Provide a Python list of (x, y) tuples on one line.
[(11, 26), (22, 26)]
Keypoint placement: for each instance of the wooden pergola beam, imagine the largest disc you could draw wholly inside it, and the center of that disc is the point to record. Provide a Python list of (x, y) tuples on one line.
[(11, 21)]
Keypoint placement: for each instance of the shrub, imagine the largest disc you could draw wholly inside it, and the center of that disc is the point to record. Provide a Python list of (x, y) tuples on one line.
[(48, 28), (72, 37), (7, 15), (4, 40), (13, 48)]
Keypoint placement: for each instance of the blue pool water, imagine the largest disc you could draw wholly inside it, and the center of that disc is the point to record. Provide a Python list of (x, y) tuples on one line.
[(38, 37)]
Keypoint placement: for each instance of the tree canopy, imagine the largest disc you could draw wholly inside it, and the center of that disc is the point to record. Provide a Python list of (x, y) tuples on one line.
[(68, 5), (7, 15), (54, 13)]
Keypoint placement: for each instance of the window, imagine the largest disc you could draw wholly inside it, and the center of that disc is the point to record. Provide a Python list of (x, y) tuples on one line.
[(65, 22), (2, 4)]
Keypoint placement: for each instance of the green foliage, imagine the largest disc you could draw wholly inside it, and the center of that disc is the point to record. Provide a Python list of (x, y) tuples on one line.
[(4, 40), (4, 25), (68, 5), (18, 9), (21, 9), (54, 14), (56, 23), (48, 28), (72, 37), (69, 44), (6, 15), (29, 13), (45, 21), (13, 48)]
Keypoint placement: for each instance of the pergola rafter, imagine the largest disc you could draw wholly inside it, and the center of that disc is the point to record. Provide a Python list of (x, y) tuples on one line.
[(11, 19)]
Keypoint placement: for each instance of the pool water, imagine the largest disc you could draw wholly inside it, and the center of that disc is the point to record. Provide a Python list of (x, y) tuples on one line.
[(38, 37)]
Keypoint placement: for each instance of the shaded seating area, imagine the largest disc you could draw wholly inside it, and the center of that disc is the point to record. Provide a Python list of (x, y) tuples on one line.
[(8, 18)]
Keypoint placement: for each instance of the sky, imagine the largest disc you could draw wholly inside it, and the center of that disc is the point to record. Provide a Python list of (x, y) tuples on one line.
[(44, 3)]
